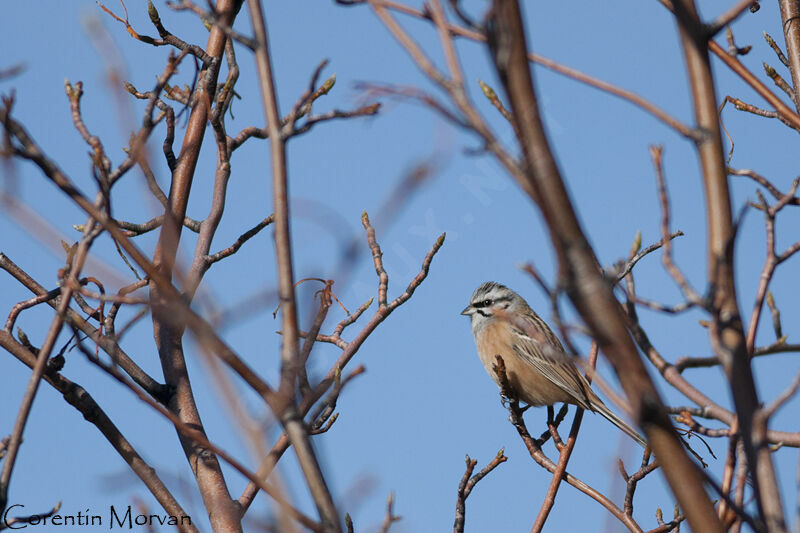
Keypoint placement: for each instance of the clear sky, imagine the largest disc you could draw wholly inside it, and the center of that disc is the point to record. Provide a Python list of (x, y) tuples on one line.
[(425, 400)]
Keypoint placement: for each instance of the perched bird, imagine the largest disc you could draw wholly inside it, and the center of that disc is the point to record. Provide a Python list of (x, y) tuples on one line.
[(537, 368)]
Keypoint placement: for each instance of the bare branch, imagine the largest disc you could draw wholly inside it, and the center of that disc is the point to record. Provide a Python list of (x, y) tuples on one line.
[(776, 48), (390, 517), (536, 453), (790, 13), (295, 429), (468, 482), (729, 16)]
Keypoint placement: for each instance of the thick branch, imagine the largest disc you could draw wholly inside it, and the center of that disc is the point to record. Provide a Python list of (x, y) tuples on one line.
[(81, 400), (585, 284), (790, 19), (727, 333), (167, 331)]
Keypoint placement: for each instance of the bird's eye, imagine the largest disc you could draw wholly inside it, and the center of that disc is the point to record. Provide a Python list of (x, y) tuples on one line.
[(486, 303)]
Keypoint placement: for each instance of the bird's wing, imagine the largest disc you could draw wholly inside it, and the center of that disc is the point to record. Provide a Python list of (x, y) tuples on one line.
[(549, 359)]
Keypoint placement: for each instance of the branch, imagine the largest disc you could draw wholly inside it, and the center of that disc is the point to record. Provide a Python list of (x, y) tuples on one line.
[(587, 288), (773, 259), (627, 268), (200, 437), (291, 420), (175, 310), (729, 16), (727, 333), (632, 481), (565, 453), (737, 67), (764, 182), (349, 350), (468, 482), (472, 34), (536, 453), (243, 238), (790, 15), (81, 400), (169, 323), (34, 519), (75, 262), (390, 517)]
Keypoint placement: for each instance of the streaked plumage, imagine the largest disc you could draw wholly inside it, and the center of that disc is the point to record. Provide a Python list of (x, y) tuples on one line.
[(538, 369)]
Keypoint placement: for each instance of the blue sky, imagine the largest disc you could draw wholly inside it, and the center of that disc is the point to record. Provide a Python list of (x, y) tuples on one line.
[(425, 399)]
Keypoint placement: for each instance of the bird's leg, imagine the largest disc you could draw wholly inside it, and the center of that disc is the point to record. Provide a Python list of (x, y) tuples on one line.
[(552, 425), (505, 401), (507, 396)]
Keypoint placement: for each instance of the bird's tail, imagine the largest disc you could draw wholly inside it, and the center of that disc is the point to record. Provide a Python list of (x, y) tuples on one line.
[(620, 423)]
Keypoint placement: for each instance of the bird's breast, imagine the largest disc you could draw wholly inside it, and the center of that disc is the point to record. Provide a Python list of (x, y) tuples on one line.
[(529, 384)]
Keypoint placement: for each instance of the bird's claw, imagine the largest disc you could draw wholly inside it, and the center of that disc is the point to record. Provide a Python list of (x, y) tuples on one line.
[(505, 401)]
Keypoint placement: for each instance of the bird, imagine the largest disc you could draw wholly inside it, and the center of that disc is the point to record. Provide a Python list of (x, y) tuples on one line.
[(538, 369)]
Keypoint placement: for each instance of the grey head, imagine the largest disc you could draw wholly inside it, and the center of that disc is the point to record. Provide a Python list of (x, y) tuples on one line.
[(488, 299)]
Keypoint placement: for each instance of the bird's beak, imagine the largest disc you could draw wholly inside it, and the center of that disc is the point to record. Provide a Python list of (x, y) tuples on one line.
[(468, 311)]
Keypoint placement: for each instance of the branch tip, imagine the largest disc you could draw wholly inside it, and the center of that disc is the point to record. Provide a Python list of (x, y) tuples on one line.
[(637, 243), (152, 12), (487, 91), (328, 85)]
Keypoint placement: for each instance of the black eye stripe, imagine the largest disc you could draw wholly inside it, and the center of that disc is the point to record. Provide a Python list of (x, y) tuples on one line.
[(489, 302)]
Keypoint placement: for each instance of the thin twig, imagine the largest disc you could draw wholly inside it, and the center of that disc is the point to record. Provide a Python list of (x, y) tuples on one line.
[(729, 16), (390, 517), (468, 482)]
